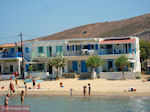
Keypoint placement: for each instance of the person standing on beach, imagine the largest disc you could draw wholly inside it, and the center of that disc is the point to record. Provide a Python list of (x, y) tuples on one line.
[(6, 101), (11, 87), (33, 83), (89, 92), (71, 91), (16, 74), (26, 88), (22, 97), (84, 90)]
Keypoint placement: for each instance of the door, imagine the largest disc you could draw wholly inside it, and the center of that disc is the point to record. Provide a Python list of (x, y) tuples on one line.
[(49, 51), (12, 50), (50, 69), (109, 49), (11, 68), (110, 65), (0, 69), (75, 65), (83, 66)]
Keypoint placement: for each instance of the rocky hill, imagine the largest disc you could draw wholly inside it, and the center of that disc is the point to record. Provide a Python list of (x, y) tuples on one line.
[(139, 26)]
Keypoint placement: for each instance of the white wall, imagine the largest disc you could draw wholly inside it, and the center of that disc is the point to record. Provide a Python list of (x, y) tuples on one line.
[(117, 75)]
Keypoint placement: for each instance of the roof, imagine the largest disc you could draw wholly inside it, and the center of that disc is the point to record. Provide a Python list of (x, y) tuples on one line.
[(10, 45), (131, 40)]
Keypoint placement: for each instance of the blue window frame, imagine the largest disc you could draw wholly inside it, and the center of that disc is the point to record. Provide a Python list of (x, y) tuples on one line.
[(40, 49), (26, 50), (40, 67)]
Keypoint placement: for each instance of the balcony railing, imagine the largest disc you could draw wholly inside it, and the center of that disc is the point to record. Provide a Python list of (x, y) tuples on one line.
[(10, 55), (115, 51), (83, 52)]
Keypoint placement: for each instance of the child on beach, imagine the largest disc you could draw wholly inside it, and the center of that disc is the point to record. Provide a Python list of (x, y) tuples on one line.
[(26, 88), (11, 87), (6, 101), (71, 91), (38, 86), (84, 90), (22, 97), (16, 81), (33, 83)]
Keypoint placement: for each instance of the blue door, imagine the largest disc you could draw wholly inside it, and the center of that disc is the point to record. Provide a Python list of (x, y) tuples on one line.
[(110, 64), (75, 65), (12, 50), (83, 66)]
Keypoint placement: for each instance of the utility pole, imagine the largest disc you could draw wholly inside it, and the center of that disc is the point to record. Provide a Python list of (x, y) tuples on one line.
[(22, 65)]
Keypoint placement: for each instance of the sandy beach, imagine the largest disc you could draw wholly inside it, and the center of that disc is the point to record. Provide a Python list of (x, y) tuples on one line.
[(98, 87)]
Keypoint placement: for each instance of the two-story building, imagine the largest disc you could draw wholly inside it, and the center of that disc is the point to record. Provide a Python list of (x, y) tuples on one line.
[(10, 58), (77, 51)]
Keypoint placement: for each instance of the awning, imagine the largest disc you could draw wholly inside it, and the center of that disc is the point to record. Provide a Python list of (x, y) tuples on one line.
[(132, 40), (10, 45)]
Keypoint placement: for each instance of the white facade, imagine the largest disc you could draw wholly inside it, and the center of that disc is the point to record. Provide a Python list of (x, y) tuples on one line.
[(77, 51)]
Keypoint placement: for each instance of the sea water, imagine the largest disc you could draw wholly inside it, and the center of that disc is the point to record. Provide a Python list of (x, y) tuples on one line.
[(45, 103)]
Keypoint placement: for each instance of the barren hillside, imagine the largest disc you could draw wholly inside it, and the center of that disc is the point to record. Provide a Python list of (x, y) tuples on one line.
[(139, 26)]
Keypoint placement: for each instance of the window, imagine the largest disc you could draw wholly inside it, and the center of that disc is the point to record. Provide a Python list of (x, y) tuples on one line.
[(40, 67), (40, 49), (58, 49), (26, 50)]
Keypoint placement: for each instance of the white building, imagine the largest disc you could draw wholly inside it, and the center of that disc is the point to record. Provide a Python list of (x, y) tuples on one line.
[(76, 51)]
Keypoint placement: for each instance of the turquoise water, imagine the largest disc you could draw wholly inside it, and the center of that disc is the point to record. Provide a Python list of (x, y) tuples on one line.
[(82, 104)]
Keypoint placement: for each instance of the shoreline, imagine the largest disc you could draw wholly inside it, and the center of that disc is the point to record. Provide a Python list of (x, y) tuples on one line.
[(78, 93)]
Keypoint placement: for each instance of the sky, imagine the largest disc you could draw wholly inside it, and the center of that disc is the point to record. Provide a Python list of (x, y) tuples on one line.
[(38, 18)]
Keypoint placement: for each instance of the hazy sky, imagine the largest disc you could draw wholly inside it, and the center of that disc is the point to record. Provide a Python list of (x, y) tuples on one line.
[(36, 18)]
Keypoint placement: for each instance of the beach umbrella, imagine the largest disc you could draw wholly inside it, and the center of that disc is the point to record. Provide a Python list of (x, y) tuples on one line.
[(31, 80)]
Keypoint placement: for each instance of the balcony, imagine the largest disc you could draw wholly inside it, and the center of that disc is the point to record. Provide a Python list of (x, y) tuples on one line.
[(115, 51), (10, 55), (82, 52)]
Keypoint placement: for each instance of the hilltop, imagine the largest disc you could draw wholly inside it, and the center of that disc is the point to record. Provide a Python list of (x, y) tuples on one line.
[(139, 26)]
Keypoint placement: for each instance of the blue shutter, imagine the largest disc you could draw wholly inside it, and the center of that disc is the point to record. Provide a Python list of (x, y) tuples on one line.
[(57, 49), (96, 46), (12, 50), (75, 65), (76, 47), (88, 46), (42, 66), (42, 49), (68, 47), (83, 66), (60, 49), (72, 47)]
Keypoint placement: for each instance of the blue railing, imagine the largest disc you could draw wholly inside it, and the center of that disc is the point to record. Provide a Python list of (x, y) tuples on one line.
[(10, 55), (115, 51)]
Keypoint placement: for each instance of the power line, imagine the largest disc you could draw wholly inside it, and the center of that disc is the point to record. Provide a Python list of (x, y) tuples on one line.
[(8, 37)]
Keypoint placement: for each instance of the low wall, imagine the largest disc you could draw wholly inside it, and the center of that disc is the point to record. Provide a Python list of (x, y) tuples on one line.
[(6, 77), (85, 75), (118, 75), (42, 75), (69, 75)]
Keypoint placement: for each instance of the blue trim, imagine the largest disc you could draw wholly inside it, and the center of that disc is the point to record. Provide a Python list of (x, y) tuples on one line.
[(68, 47), (83, 66), (96, 46), (75, 65), (72, 47), (109, 60), (12, 50), (89, 46)]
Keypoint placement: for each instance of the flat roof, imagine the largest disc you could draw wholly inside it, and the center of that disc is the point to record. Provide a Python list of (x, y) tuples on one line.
[(131, 40)]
